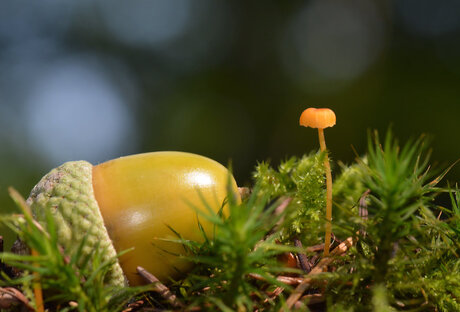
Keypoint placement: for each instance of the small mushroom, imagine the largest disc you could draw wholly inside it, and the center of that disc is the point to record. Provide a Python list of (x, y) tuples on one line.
[(321, 118)]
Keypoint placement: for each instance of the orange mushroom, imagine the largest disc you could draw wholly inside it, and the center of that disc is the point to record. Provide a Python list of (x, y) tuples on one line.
[(321, 118)]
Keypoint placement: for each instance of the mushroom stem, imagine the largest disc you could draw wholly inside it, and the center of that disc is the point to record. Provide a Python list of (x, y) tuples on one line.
[(327, 167)]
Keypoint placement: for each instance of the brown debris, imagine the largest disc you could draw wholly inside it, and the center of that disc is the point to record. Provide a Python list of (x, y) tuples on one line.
[(288, 259), (363, 212), (134, 306), (288, 280), (303, 260), (313, 298), (315, 248), (10, 297), (275, 293), (245, 192), (319, 268)]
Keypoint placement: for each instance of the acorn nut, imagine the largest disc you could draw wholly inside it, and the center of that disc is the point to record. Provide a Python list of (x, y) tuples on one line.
[(135, 201)]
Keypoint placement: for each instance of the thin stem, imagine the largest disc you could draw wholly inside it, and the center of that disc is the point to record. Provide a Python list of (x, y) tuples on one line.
[(37, 287), (327, 167)]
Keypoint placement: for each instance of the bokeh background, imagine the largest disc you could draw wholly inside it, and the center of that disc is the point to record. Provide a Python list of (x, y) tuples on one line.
[(99, 79)]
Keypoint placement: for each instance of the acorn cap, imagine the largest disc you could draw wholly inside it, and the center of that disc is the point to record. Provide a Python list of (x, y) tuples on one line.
[(67, 192)]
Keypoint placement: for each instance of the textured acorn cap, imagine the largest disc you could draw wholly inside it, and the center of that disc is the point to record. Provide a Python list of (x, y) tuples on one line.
[(67, 192)]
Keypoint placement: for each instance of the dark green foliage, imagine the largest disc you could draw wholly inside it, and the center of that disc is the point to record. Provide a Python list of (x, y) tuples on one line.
[(455, 199), (400, 195), (405, 253)]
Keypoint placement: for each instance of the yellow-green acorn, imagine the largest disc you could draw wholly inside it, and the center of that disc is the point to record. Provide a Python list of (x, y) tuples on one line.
[(132, 201)]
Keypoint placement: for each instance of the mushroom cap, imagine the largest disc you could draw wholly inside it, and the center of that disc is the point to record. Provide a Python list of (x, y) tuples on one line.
[(317, 118)]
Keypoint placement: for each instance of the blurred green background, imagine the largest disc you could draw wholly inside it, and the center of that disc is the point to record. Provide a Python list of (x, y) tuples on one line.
[(99, 79)]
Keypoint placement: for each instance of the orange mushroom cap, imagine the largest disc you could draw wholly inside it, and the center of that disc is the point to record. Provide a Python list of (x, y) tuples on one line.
[(317, 118)]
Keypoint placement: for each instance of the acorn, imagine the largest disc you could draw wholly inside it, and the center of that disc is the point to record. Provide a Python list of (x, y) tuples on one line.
[(137, 201)]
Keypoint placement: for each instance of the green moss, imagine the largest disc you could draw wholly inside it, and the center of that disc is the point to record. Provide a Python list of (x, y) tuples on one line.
[(304, 181), (405, 258)]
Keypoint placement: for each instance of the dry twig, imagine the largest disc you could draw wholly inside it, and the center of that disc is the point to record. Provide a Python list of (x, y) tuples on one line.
[(134, 305), (288, 280), (315, 248), (159, 287)]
